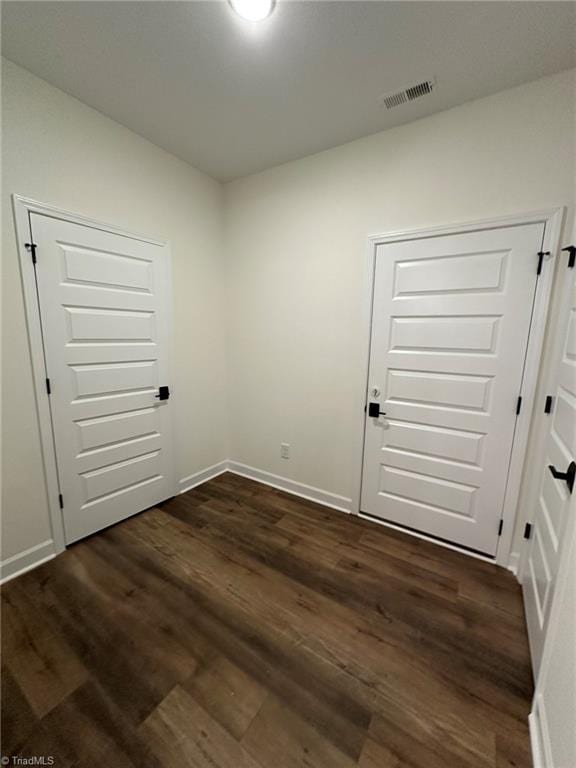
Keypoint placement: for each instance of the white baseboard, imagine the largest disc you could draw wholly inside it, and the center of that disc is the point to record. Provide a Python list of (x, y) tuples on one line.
[(187, 483), (327, 499), (25, 561), (534, 725), (513, 563)]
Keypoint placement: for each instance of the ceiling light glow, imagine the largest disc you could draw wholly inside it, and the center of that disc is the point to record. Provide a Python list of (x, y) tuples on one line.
[(253, 10)]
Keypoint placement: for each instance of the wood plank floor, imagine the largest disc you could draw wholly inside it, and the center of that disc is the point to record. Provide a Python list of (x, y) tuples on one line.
[(239, 627)]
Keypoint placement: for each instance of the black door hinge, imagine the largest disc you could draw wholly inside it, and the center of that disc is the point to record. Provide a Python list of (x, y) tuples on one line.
[(571, 249), (518, 404), (32, 248), (527, 530), (548, 404), (48, 388), (61, 501), (541, 255), (500, 526)]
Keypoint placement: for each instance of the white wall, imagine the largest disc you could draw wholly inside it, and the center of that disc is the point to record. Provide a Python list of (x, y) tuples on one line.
[(295, 248), (58, 151)]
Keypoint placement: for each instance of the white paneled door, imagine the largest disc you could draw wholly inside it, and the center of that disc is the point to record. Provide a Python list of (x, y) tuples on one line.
[(558, 479), (104, 309), (450, 324)]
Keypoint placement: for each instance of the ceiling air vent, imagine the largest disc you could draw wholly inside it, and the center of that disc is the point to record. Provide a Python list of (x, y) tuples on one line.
[(396, 98)]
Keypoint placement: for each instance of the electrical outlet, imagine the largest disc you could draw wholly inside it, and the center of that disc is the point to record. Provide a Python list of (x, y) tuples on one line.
[(285, 450)]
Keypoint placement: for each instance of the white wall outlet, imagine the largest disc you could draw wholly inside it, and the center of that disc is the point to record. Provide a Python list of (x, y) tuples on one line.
[(285, 450)]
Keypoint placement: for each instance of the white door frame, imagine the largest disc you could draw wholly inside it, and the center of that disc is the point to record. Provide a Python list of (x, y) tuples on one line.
[(23, 208), (553, 220)]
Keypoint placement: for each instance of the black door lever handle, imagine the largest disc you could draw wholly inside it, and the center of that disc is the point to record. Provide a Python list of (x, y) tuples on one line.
[(374, 410), (163, 393), (569, 476)]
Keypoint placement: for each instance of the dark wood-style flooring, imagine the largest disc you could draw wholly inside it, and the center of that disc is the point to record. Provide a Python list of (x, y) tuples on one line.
[(236, 626)]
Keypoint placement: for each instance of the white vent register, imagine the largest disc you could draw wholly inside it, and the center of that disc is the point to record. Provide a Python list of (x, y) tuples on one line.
[(403, 96)]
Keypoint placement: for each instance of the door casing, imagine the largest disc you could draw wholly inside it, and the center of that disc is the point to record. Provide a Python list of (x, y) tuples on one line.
[(22, 209), (552, 219)]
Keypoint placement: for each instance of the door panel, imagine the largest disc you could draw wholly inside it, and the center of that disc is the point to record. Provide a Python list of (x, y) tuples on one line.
[(438, 389), (451, 318), (124, 474), (109, 324), (101, 380), (111, 454), (540, 573), (448, 496), (551, 509), (104, 307), (107, 269), (430, 334), (454, 272), (434, 442), (121, 426)]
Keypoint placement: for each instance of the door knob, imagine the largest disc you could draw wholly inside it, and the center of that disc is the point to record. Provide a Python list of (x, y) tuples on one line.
[(163, 393), (569, 476), (374, 410)]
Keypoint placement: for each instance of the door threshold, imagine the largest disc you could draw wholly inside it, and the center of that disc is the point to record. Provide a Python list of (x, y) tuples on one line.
[(428, 537)]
